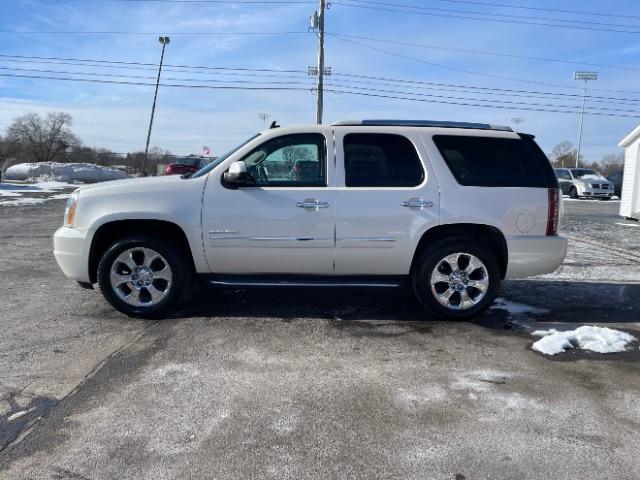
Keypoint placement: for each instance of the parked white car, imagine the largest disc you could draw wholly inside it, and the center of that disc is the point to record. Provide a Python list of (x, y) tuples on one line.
[(584, 183), (447, 208)]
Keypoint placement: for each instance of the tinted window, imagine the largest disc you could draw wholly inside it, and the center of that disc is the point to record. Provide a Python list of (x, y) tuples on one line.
[(381, 160), (563, 174), (495, 162), (581, 172), (296, 160)]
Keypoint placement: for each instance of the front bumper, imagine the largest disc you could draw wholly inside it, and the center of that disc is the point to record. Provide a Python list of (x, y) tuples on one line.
[(71, 250), (596, 192), (536, 255)]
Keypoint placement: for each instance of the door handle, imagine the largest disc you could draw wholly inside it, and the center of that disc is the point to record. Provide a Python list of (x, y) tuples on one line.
[(417, 203), (312, 204)]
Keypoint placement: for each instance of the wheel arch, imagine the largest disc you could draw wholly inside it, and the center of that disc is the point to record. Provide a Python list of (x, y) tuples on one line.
[(486, 234), (110, 231)]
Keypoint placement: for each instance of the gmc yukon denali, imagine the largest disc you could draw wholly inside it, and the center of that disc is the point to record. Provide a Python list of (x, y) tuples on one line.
[(448, 209)]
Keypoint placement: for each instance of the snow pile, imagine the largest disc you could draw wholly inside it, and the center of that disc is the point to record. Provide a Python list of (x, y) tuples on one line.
[(595, 339), (63, 172)]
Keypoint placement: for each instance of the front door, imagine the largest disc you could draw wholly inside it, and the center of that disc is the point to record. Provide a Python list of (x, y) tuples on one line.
[(284, 224)]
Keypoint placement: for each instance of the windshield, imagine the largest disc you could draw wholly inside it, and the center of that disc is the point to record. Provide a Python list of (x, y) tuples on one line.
[(581, 172), (207, 168)]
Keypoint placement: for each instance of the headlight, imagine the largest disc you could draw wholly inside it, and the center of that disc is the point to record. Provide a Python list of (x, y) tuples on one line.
[(70, 210)]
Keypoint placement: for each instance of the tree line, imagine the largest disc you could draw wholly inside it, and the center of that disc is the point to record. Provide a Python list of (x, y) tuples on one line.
[(34, 138), (564, 155)]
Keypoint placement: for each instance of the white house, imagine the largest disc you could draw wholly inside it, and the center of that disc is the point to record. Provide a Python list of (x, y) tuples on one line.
[(630, 197)]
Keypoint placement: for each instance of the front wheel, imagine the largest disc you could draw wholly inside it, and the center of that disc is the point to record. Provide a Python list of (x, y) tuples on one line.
[(456, 279), (142, 276), (573, 192)]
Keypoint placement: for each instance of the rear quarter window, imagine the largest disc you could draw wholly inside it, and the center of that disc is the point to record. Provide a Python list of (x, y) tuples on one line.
[(496, 162)]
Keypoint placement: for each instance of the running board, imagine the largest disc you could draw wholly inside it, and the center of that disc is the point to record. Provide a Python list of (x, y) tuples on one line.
[(390, 281)]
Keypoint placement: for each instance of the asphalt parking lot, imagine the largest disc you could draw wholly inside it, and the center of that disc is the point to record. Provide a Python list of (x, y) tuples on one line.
[(318, 384)]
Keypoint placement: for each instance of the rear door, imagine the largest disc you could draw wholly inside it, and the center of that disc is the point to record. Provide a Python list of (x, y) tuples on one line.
[(387, 196)]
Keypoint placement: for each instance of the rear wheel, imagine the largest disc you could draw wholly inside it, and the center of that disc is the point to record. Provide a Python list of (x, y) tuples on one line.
[(142, 276), (573, 192), (456, 278)]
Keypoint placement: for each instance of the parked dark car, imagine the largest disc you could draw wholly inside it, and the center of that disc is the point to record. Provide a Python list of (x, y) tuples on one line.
[(616, 179), (185, 165)]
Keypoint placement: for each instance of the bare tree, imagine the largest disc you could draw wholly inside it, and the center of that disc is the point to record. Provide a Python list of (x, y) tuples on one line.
[(612, 163), (42, 139), (564, 155)]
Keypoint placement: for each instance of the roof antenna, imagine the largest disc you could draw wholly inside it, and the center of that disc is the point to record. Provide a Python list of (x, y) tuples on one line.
[(274, 124)]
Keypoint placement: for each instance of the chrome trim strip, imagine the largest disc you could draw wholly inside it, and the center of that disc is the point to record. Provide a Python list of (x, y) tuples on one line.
[(302, 284), (223, 232), (274, 239), (367, 239)]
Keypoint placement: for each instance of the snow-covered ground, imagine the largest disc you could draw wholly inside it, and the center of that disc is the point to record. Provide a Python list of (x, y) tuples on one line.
[(63, 172), (14, 194), (594, 339)]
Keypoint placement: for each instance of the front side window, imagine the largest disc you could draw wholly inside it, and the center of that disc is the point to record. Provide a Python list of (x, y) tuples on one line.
[(493, 162), (297, 160), (563, 174), (381, 160)]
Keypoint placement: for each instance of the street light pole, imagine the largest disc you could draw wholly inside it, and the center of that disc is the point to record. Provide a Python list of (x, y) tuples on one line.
[(586, 76), (164, 41)]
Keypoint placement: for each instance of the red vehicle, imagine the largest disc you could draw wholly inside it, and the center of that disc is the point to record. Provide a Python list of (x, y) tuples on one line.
[(185, 165)]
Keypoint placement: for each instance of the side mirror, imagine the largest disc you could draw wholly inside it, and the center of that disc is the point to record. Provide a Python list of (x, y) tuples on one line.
[(237, 175)]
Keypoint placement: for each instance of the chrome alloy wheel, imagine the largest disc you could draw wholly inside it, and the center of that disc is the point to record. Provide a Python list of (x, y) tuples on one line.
[(459, 281), (141, 277)]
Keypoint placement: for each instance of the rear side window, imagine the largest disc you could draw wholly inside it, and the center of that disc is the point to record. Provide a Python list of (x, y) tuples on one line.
[(381, 160), (496, 162)]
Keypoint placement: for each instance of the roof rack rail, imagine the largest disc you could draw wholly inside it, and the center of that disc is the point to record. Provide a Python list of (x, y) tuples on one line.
[(422, 123)]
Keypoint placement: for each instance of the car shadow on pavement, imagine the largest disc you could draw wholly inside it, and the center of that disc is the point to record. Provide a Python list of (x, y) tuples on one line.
[(539, 301)]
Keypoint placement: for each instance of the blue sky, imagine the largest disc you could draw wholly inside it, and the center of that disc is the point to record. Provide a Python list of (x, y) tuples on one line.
[(116, 116)]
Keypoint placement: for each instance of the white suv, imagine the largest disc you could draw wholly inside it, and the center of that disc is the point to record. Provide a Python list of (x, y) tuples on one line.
[(450, 208)]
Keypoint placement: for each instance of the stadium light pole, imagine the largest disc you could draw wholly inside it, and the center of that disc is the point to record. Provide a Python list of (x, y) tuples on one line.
[(164, 41), (585, 76)]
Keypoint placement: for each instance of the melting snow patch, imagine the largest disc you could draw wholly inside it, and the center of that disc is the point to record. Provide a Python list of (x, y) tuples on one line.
[(516, 308), (595, 339), (22, 201), (628, 224)]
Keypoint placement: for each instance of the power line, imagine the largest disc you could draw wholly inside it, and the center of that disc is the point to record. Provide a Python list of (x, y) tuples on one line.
[(396, 97), (140, 77), (484, 52), (117, 82), (469, 2), (114, 32), (378, 93), (507, 19), (290, 74), (509, 102), (463, 70), (492, 14), (540, 9)]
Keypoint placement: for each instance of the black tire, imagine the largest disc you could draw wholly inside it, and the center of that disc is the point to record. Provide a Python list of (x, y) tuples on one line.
[(174, 290), (431, 258), (573, 192)]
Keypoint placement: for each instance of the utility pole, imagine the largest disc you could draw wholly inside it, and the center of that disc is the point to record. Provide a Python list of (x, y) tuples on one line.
[(317, 24), (586, 76), (164, 41)]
